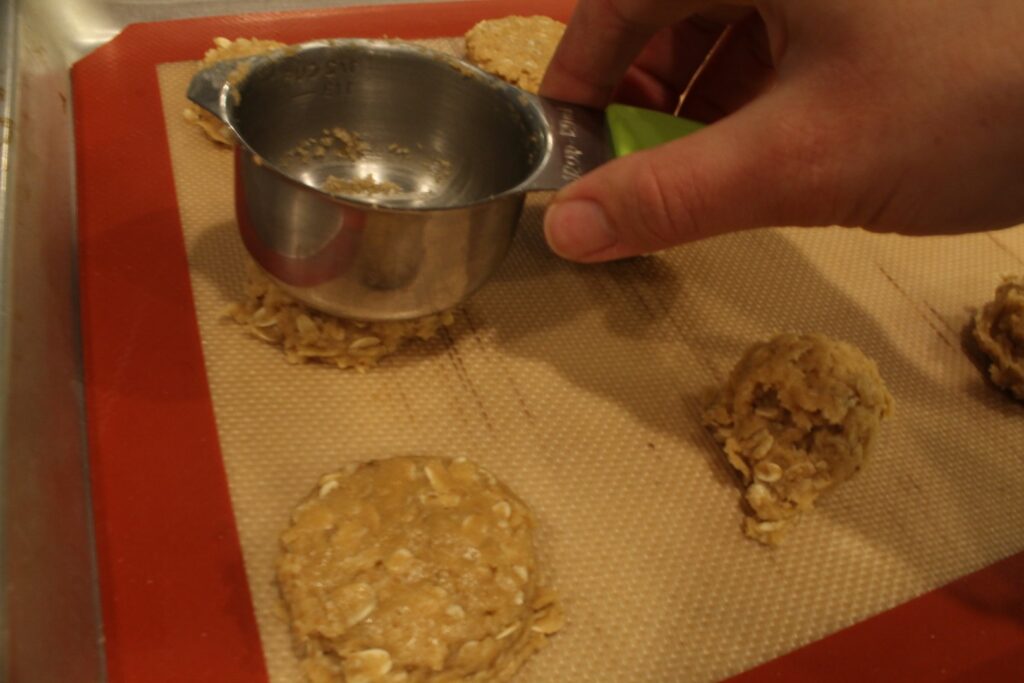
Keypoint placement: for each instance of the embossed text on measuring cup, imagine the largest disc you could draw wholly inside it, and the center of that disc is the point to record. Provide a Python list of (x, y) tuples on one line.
[(332, 76), (572, 168)]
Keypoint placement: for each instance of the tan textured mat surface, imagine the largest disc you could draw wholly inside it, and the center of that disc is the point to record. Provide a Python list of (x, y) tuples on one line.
[(581, 388)]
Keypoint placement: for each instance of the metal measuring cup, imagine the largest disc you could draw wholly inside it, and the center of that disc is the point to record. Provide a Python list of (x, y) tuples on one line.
[(456, 148)]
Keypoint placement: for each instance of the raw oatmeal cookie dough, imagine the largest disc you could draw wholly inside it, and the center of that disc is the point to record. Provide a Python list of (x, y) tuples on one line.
[(225, 49), (305, 335), (999, 332), (798, 416), (517, 49), (414, 569)]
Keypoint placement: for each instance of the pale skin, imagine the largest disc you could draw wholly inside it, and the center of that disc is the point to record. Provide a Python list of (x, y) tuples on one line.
[(893, 115)]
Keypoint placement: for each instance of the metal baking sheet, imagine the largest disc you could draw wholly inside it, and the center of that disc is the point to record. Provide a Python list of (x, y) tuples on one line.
[(49, 551)]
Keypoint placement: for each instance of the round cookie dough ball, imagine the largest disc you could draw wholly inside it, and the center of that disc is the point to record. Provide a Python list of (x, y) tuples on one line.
[(517, 49), (999, 332), (799, 415), (414, 569)]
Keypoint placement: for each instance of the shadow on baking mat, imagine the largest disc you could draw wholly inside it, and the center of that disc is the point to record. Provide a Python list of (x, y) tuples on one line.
[(634, 332), (605, 328), (207, 253)]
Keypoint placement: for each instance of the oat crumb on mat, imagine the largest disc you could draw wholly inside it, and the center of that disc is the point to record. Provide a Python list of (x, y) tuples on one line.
[(414, 569), (306, 335), (999, 332), (223, 49), (517, 49), (798, 416)]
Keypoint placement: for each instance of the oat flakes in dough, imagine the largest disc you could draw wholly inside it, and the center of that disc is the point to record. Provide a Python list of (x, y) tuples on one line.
[(270, 314), (517, 49), (413, 569), (799, 415), (999, 332), (225, 49)]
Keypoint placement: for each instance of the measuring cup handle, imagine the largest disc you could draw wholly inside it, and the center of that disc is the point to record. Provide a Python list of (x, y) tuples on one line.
[(578, 143), (583, 138), (631, 129)]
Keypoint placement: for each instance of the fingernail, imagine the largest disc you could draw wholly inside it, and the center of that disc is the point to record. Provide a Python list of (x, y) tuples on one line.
[(578, 228)]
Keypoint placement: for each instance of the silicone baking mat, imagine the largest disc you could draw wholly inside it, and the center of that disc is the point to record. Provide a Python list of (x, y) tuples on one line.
[(579, 386)]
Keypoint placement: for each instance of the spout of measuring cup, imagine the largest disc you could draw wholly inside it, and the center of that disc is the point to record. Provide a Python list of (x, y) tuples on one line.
[(211, 87)]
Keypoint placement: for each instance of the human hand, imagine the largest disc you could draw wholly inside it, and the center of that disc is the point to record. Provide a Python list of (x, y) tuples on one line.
[(895, 115)]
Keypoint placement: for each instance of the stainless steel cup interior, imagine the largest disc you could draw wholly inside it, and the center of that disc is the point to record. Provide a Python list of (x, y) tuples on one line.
[(461, 145)]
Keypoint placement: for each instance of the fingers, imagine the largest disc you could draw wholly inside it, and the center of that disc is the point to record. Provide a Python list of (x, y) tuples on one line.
[(761, 166), (602, 39), (667, 64), (741, 70), (736, 71)]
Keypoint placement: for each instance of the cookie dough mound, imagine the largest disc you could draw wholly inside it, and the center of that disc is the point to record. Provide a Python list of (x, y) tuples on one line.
[(306, 335), (225, 49), (414, 569), (517, 49), (798, 416), (999, 332)]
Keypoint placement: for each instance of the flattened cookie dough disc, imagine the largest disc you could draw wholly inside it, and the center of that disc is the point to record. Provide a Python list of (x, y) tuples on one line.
[(414, 569), (517, 49), (305, 335), (799, 415), (999, 332)]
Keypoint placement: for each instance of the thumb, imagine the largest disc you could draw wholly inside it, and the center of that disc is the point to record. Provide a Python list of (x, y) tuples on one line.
[(763, 165)]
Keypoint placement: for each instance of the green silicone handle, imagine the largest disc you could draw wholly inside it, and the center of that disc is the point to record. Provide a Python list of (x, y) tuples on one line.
[(632, 129)]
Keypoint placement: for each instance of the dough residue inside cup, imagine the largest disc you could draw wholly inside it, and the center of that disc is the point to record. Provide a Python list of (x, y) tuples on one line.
[(333, 143), (367, 185)]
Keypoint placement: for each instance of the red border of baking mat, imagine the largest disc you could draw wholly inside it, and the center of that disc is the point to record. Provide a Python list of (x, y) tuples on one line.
[(176, 604)]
